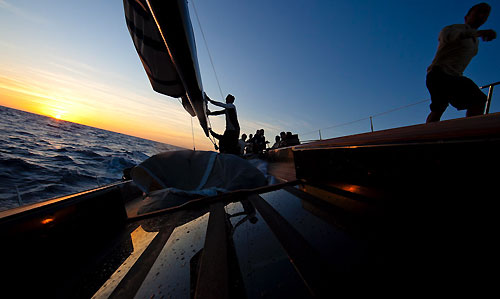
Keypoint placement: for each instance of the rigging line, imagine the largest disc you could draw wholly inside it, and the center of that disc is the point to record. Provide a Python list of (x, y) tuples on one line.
[(399, 108), (365, 118), (192, 133), (210, 127), (339, 125), (213, 142), (206, 46), (210, 138), (344, 124), (213, 67), (192, 127)]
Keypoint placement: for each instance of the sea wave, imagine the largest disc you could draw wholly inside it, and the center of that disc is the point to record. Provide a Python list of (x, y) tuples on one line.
[(88, 153), (42, 158), (24, 134), (17, 164)]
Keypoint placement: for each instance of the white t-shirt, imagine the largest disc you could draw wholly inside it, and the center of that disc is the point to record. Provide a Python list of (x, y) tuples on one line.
[(231, 116), (242, 145), (457, 45)]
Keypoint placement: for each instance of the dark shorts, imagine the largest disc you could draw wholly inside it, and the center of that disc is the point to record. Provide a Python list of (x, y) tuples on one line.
[(459, 91)]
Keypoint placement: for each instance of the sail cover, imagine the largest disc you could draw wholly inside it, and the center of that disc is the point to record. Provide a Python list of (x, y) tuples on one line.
[(172, 178), (164, 40)]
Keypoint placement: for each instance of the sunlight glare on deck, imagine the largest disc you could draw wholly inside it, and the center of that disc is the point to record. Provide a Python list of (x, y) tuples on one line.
[(140, 241)]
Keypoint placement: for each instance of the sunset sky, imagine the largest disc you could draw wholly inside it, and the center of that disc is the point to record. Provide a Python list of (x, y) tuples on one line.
[(295, 66)]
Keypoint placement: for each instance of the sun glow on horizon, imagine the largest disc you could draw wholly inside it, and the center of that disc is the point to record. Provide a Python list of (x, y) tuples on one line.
[(95, 104), (59, 114)]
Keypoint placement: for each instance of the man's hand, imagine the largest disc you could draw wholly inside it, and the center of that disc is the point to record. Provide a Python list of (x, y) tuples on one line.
[(487, 35), (206, 97)]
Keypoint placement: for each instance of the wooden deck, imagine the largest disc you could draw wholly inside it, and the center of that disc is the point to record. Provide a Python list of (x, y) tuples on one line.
[(439, 171), (407, 206), (386, 158), (484, 126)]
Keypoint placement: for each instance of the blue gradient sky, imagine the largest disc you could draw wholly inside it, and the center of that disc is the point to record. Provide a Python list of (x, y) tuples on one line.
[(293, 66)]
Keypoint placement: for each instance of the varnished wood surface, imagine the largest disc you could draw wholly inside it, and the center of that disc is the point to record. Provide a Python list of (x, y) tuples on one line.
[(484, 126)]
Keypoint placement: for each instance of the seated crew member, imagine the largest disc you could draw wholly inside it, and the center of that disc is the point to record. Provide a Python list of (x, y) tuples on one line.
[(226, 143), (249, 145), (242, 143), (283, 139), (277, 142)]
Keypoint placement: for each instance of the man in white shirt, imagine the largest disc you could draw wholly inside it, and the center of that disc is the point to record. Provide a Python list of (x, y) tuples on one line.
[(458, 44), (242, 143), (232, 132)]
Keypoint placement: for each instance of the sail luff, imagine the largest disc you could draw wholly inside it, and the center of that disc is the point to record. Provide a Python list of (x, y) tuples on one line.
[(164, 40)]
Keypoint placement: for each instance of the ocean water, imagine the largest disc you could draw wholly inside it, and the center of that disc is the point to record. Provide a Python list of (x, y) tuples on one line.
[(42, 158)]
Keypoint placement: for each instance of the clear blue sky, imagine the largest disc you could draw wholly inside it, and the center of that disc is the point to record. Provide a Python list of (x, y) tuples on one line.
[(292, 65)]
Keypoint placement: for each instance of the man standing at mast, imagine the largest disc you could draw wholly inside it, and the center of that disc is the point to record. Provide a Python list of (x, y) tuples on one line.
[(229, 141), (445, 81)]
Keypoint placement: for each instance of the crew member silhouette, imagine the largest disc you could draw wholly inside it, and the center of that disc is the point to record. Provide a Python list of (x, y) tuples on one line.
[(229, 140), (445, 81)]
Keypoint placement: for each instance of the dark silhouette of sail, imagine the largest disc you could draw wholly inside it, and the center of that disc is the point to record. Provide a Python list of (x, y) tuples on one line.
[(164, 40)]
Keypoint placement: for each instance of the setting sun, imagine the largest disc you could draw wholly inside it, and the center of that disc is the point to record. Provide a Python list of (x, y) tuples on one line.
[(57, 113)]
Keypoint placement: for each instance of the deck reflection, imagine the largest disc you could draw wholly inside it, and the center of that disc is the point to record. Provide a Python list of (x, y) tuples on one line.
[(140, 241), (265, 267)]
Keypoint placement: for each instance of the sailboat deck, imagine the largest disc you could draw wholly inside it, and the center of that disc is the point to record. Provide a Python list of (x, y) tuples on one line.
[(360, 210), (384, 160), (484, 126)]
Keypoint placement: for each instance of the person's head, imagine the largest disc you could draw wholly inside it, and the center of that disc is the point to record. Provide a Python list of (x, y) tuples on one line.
[(230, 99), (277, 138), (283, 135), (477, 15), (288, 134), (250, 136), (243, 136)]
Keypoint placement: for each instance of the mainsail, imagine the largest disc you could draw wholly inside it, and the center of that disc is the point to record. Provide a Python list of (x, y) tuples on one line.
[(163, 37)]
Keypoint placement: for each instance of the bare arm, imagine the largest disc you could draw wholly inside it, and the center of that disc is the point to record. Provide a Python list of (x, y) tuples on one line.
[(487, 35), (215, 134), (217, 112), (215, 102), (223, 105)]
